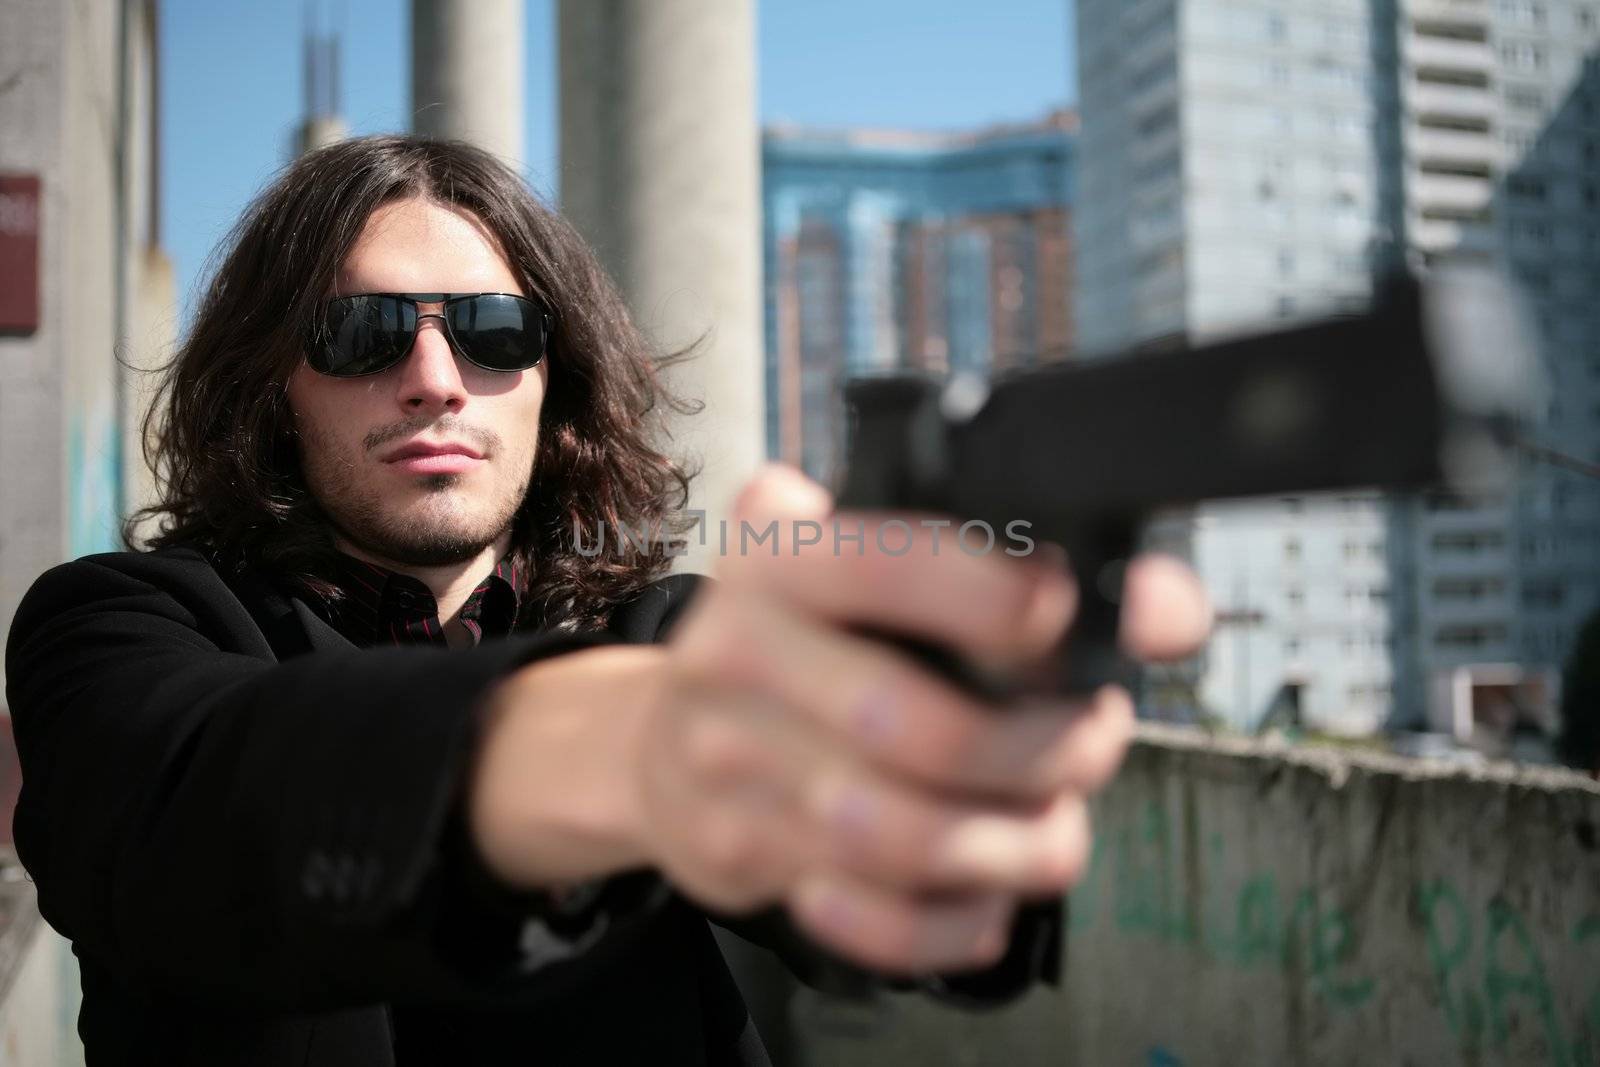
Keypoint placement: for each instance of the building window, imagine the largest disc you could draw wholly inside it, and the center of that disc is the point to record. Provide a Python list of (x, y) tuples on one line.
[(1527, 12), (1525, 98), (1468, 542), (1468, 590), (1523, 55), (1544, 593), (1523, 187), (1470, 635)]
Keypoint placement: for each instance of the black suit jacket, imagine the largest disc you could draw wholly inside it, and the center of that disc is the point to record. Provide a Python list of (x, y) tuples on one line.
[(247, 828)]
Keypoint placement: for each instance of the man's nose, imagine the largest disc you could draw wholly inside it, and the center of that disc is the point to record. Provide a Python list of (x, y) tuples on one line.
[(430, 378)]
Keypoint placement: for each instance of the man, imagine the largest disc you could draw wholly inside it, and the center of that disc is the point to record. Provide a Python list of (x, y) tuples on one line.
[(274, 837)]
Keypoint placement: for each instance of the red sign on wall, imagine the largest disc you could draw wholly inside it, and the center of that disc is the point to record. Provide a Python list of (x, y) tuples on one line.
[(19, 253)]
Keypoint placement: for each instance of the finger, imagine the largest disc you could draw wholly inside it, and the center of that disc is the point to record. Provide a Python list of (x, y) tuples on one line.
[(895, 933), (1046, 747), (1166, 614), (889, 572), (779, 491), (903, 839), (876, 701)]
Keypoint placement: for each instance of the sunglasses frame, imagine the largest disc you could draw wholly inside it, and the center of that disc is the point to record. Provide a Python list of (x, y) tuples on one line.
[(546, 323)]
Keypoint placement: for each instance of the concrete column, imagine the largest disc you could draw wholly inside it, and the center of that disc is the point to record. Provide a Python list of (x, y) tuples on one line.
[(466, 72), (660, 169)]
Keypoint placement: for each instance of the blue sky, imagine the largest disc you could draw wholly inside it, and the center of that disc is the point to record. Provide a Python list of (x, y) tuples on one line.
[(231, 83)]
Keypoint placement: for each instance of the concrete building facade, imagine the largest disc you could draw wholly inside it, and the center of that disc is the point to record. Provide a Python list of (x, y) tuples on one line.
[(892, 249), (1245, 162), (79, 180)]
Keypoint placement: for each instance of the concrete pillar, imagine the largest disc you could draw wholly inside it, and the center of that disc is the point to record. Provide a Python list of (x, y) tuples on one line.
[(466, 72), (660, 170)]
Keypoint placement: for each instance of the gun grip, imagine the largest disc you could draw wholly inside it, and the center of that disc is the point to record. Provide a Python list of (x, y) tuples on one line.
[(1098, 552)]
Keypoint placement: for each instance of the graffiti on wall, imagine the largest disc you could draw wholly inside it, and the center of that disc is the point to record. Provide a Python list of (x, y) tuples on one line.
[(1489, 970)]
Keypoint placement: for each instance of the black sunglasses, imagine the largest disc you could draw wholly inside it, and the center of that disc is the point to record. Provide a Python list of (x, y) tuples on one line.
[(372, 332)]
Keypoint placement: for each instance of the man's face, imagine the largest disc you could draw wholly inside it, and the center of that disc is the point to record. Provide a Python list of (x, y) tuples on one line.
[(365, 442)]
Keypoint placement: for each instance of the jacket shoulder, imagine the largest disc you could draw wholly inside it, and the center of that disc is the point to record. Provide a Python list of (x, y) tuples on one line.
[(651, 614), (180, 583)]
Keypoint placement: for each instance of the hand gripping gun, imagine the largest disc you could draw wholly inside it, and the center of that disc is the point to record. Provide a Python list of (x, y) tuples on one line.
[(1426, 389)]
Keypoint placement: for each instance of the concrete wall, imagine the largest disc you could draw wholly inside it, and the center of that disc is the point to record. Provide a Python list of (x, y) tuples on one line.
[(62, 426), (661, 173), (1251, 905)]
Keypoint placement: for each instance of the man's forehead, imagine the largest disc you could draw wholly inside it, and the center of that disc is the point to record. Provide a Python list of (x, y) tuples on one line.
[(421, 246)]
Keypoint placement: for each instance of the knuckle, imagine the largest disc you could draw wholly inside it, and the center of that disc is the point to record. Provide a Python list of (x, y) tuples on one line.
[(948, 740), (724, 646), (730, 849), (717, 749)]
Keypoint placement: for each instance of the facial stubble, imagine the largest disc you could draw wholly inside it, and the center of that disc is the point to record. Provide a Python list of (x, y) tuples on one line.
[(417, 535)]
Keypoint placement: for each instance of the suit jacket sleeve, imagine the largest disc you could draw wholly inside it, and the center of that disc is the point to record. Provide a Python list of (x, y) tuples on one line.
[(204, 820)]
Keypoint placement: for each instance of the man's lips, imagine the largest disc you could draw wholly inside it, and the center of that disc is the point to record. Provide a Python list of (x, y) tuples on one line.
[(422, 457)]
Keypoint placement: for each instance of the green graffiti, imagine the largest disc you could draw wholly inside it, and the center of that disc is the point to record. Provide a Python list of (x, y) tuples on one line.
[(1257, 925), (1434, 899), (1527, 981), (1490, 979), (1330, 944), (1219, 939), (1513, 974), (1083, 904), (1138, 864), (1143, 888)]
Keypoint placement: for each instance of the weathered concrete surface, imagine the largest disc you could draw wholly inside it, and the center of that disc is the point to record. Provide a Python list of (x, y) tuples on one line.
[(1250, 904)]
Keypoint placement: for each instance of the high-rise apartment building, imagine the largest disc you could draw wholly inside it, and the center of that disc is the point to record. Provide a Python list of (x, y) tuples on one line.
[(1252, 160), (892, 249)]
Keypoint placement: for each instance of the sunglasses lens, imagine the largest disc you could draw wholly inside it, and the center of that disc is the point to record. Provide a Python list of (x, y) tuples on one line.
[(363, 335), (498, 332)]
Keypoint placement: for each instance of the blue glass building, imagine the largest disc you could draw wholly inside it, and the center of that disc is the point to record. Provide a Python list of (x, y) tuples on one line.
[(894, 249)]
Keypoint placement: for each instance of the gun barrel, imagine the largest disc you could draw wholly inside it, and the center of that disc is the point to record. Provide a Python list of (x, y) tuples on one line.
[(1344, 403)]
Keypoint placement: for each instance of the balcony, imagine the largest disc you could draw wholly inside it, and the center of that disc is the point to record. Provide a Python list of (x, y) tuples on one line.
[(1449, 101), (1427, 51), (1426, 144), (1435, 235), (1449, 193)]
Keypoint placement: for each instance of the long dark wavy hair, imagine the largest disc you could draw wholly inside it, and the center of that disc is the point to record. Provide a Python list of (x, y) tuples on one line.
[(219, 435)]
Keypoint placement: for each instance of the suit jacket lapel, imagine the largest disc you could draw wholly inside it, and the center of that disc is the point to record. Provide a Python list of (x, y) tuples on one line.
[(319, 636), (289, 625)]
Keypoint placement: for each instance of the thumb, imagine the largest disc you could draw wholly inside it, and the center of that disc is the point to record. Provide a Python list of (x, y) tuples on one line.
[(779, 491)]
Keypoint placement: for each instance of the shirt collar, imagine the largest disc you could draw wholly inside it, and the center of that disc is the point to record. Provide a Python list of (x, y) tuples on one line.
[(373, 605)]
